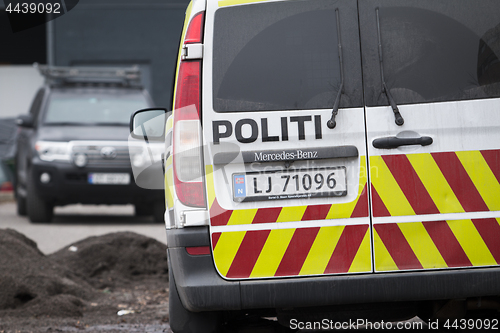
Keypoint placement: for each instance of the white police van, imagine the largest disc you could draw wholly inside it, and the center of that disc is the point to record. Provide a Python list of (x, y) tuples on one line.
[(333, 160)]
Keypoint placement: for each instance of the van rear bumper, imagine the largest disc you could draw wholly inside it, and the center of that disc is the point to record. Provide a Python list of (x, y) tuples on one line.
[(201, 288)]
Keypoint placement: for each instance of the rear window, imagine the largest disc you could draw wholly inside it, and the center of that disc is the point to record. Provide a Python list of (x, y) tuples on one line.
[(276, 56), (446, 52)]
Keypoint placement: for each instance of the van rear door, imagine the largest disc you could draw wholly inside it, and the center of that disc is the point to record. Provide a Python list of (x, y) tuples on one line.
[(435, 190), (287, 194)]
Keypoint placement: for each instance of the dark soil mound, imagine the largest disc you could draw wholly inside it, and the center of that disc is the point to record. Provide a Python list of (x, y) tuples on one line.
[(114, 259), (31, 283)]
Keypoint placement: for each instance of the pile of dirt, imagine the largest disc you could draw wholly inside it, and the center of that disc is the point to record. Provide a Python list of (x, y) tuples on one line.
[(115, 259), (33, 284), (59, 292)]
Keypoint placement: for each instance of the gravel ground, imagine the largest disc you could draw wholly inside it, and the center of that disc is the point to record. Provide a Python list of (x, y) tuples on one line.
[(6, 197), (117, 282), (112, 283)]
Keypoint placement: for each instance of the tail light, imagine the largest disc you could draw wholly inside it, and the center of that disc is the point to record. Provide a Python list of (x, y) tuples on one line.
[(194, 33), (187, 157)]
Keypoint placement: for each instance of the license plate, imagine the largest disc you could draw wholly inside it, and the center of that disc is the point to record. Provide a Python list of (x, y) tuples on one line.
[(290, 184), (109, 178)]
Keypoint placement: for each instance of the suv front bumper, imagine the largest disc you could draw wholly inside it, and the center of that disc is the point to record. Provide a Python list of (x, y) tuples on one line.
[(201, 288), (69, 184)]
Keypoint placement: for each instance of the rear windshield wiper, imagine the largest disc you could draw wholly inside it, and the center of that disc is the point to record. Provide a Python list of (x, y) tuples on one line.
[(332, 123), (399, 119)]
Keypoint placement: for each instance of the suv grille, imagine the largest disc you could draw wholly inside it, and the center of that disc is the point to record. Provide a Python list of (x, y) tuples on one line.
[(102, 154)]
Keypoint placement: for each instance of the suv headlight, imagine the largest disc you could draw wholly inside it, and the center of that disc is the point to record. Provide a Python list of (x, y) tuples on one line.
[(53, 151)]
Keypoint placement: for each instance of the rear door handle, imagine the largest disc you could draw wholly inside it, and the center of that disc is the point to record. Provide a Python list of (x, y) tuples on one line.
[(395, 142)]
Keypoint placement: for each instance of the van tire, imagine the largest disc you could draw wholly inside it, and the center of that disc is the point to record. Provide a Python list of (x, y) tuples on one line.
[(185, 321), (39, 211)]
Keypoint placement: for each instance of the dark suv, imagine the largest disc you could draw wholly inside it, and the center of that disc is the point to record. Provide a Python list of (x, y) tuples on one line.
[(72, 147)]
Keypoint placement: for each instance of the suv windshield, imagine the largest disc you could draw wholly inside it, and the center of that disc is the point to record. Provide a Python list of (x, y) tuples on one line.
[(93, 108), (276, 56)]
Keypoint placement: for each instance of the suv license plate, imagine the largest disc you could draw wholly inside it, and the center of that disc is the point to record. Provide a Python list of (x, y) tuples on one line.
[(109, 178), (290, 184)]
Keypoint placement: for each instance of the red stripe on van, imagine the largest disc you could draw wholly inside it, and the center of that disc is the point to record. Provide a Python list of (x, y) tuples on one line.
[(398, 246), (346, 249), (447, 244), (297, 251), (267, 215), (317, 212), (361, 208), (378, 205), (219, 215), (460, 182), (492, 157), (489, 229), (248, 253), (411, 185), (215, 239)]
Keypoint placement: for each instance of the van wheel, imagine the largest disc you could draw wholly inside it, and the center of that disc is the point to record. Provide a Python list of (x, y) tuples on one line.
[(159, 211), (39, 211), (184, 321)]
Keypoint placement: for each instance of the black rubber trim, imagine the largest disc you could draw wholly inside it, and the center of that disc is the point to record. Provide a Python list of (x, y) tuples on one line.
[(371, 288), (185, 237), (199, 286)]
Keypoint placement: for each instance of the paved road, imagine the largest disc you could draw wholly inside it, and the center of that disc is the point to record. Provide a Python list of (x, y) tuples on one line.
[(76, 222)]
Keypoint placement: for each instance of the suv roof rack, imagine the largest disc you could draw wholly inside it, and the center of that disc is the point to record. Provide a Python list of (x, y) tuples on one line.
[(122, 76)]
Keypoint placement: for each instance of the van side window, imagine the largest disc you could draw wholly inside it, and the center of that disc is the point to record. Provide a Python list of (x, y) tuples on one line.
[(276, 56), (444, 55)]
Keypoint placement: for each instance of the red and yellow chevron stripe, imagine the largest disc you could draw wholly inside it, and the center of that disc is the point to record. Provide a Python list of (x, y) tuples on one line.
[(271, 251), (292, 252), (437, 244), (449, 182), (436, 183), (402, 185)]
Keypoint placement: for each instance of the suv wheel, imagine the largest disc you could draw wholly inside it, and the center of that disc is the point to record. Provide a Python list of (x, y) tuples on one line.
[(21, 205), (143, 209), (185, 321), (38, 209), (159, 211)]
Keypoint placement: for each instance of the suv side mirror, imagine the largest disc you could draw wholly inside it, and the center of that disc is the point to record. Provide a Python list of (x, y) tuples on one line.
[(149, 124), (25, 120)]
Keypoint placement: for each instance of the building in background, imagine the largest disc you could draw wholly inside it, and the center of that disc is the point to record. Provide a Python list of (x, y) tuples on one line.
[(94, 33), (121, 33), (107, 33)]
